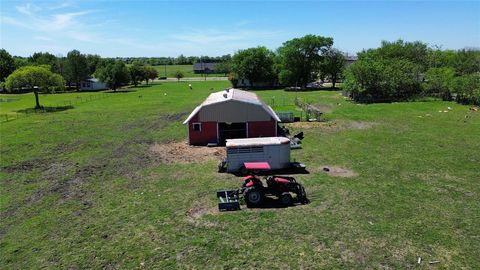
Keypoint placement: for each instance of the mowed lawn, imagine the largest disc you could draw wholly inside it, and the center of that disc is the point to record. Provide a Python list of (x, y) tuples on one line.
[(81, 189), (187, 71)]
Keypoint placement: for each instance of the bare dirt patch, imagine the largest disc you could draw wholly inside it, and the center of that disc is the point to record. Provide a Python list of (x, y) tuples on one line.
[(332, 125), (195, 216), (338, 171), (181, 152), (26, 166), (198, 212)]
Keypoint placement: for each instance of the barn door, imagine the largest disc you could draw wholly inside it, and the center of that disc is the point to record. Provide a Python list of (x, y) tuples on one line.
[(231, 131)]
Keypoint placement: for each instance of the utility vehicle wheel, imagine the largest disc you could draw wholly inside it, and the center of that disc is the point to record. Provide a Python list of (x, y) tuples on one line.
[(243, 170), (286, 199), (253, 197)]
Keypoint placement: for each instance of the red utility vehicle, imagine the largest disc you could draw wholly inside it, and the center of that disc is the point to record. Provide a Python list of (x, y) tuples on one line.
[(254, 192), (281, 187)]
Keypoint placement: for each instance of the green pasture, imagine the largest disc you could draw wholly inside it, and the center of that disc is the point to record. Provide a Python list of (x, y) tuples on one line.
[(80, 188), (187, 71)]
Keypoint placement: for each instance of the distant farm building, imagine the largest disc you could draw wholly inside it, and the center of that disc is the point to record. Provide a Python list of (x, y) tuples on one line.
[(92, 85), (230, 114), (204, 68), (350, 59), (242, 82)]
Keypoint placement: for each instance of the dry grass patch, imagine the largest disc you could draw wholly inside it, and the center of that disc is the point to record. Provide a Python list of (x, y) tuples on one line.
[(338, 171), (181, 152), (332, 125)]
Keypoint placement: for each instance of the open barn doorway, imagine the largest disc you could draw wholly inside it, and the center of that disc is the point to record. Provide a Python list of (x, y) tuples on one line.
[(231, 131)]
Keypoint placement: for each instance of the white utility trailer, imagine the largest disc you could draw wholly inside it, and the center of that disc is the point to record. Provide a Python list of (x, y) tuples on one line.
[(253, 154)]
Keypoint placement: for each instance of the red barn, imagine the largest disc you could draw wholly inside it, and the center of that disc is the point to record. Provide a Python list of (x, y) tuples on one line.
[(230, 114)]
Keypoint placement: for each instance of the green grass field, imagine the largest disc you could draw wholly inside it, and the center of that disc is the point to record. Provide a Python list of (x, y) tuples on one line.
[(81, 189), (187, 71)]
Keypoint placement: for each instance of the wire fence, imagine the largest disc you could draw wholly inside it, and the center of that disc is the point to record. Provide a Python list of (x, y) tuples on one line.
[(308, 112), (52, 107)]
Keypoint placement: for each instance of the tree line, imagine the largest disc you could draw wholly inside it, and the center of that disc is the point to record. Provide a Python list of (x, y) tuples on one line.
[(401, 71), (396, 71), (297, 62), (43, 72), (179, 60)]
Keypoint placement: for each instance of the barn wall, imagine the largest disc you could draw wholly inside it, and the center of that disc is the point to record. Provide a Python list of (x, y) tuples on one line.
[(207, 134), (262, 129)]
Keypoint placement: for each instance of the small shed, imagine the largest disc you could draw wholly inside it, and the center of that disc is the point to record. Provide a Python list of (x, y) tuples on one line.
[(230, 114), (274, 151), (92, 84)]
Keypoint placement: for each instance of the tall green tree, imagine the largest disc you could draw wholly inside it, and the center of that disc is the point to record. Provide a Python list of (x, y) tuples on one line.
[(35, 78), (178, 75), (43, 58), (93, 62), (7, 64), (20, 61), (299, 59), (254, 64), (223, 67), (76, 68), (415, 52), (114, 74), (137, 72), (466, 62), (333, 65), (150, 73)]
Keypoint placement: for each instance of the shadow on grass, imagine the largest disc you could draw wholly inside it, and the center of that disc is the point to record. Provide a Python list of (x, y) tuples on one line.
[(46, 109), (273, 202), (120, 91), (313, 89), (276, 172), (141, 86)]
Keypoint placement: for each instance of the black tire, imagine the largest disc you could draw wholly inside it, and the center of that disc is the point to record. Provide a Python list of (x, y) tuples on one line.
[(253, 197), (286, 199), (243, 170)]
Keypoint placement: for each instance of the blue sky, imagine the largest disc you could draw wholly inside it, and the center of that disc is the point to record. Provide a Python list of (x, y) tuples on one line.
[(166, 28)]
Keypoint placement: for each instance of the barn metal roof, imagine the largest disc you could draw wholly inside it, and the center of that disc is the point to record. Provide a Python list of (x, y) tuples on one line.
[(257, 141), (236, 95)]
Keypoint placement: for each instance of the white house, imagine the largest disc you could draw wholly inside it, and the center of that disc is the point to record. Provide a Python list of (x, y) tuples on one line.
[(92, 84)]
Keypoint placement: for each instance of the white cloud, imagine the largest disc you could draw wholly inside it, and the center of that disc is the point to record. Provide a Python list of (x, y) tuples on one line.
[(42, 38), (63, 4), (28, 9), (212, 36), (62, 25)]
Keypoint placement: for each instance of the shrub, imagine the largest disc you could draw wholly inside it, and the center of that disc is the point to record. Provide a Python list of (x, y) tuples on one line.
[(383, 80), (439, 82), (467, 88)]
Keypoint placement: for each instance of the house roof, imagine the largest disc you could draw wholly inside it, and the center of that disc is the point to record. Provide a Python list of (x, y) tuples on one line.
[(257, 141), (235, 95), (351, 58), (94, 80), (204, 66)]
